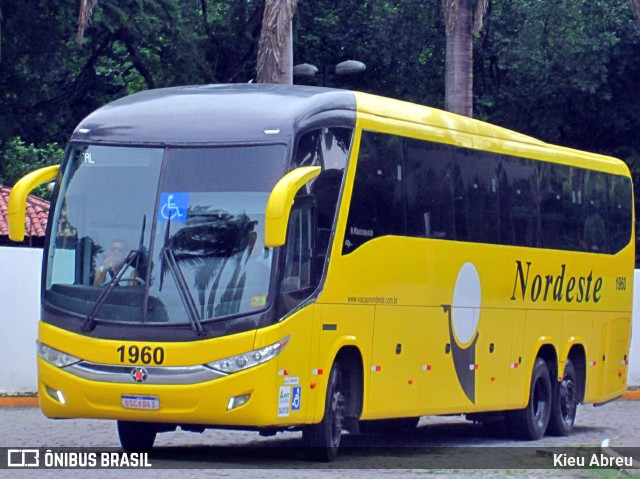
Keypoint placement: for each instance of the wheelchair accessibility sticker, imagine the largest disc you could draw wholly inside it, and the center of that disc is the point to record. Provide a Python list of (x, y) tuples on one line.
[(173, 207), (295, 399)]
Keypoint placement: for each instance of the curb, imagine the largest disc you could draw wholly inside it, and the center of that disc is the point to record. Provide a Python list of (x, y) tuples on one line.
[(19, 401), (631, 395), (32, 401)]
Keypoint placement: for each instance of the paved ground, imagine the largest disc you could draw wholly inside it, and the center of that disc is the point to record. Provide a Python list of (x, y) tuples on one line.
[(408, 454)]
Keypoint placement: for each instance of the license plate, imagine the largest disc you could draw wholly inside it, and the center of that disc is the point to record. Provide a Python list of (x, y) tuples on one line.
[(141, 402)]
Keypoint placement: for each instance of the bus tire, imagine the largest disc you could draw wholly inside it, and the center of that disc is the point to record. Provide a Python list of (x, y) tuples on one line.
[(531, 422), (564, 405), (323, 439), (136, 436)]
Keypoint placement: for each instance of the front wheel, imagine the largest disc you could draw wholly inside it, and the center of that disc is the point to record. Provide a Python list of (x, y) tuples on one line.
[(136, 436), (531, 422), (565, 402), (323, 439)]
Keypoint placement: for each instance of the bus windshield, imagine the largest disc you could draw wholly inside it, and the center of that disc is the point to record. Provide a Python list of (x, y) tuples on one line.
[(154, 235)]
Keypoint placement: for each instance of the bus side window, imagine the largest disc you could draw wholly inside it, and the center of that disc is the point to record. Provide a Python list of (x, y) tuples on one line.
[(518, 191), (476, 197), (620, 218), (595, 212), (377, 203), (551, 179), (313, 213), (428, 178), (328, 148), (572, 209), (298, 275)]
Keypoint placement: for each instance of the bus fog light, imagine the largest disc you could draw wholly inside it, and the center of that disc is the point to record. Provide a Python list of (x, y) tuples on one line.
[(238, 401), (56, 395)]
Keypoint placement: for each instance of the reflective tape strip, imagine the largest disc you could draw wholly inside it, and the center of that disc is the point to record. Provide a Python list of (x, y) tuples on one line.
[(376, 368)]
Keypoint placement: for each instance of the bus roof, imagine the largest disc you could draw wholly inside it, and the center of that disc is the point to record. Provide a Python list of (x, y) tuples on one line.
[(210, 114), (216, 114)]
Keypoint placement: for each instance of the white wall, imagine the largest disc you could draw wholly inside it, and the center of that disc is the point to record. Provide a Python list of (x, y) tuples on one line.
[(20, 311), (634, 355), (19, 314)]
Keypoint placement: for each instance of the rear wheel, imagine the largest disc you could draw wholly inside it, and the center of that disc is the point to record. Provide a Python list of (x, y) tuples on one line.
[(564, 405), (323, 439), (135, 436), (531, 422)]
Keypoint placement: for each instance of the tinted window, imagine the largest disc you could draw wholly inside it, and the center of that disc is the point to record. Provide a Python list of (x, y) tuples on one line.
[(553, 194), (428, 178), (572, 210), (328, 148), (476, 196), (377, 202), (620, 218), (463, 194), (594, 232)]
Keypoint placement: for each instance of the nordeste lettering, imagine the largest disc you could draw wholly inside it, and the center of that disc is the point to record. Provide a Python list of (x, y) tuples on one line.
[(561, 287)]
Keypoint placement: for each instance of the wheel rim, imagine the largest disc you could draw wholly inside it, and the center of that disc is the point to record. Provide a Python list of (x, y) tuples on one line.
[(540, 402), (337, 408), (568, 402)]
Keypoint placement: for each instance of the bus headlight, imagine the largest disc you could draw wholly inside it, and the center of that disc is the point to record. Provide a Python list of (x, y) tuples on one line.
[(55, 357), (249, 359)]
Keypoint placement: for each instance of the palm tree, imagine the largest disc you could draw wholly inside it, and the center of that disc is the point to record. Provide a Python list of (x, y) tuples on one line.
[(635, 6), (275, 49), (461, 24), (84, 16)]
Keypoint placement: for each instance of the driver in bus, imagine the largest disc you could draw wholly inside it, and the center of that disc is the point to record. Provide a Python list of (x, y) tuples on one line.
[(113, 263)]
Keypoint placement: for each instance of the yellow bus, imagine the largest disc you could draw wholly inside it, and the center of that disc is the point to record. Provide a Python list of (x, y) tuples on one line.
[(278, 258)]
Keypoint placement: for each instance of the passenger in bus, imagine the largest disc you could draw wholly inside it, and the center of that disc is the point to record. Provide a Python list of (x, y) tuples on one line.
[(113, 263)]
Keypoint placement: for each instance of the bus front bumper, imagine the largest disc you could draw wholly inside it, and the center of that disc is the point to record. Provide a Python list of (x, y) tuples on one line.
[(248, 398)]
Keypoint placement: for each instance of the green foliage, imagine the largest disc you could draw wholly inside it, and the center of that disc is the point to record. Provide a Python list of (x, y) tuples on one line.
[(18, 159), (401, 41)]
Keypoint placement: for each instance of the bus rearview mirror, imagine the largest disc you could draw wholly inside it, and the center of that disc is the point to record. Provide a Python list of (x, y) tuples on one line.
[(280, 203), (17, 206)]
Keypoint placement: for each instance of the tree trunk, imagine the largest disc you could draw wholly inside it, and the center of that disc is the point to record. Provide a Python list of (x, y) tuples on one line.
[(275, 50), (286, 70), (635, 6), (84, 16), (459, 57)]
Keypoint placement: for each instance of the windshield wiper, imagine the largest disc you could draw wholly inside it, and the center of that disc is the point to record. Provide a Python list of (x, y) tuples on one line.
[(134, 255), (169, 260)]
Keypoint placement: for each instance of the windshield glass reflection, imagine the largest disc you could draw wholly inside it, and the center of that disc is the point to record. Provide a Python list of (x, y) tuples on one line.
[(124, 252)]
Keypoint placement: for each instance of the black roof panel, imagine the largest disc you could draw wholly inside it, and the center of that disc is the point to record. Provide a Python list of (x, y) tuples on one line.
[(216, 114)]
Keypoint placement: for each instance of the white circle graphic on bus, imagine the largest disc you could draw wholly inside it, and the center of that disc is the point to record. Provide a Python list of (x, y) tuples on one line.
[(466, 303)]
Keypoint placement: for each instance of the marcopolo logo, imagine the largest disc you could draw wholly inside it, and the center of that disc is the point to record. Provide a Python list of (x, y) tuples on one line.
[(355, 231), (559, 287)]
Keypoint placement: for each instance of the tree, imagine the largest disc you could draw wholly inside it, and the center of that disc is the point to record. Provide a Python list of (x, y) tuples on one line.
[(275, 49), (84, 16), (460, 24), (635, 6)]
